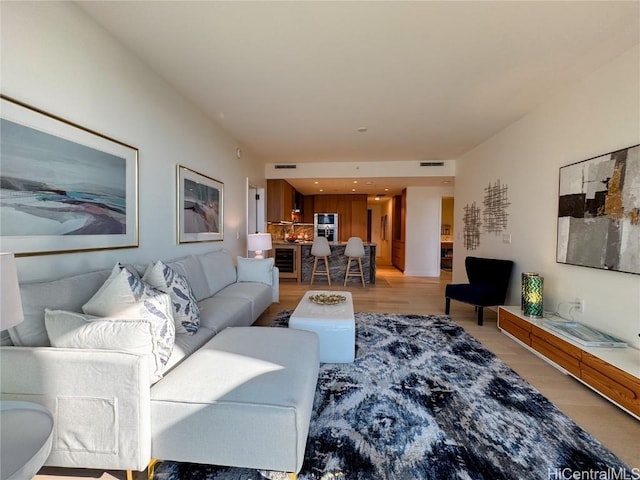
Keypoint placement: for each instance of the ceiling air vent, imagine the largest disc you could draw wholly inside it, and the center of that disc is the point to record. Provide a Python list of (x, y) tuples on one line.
[(380, 194), (285, 166), (432, 164)]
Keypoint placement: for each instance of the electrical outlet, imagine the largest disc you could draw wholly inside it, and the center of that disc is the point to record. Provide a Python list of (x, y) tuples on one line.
[(579, 304)]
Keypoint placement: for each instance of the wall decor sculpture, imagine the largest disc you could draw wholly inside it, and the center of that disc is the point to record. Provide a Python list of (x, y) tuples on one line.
[(64, 188), (200, 207), (472, 223), (495, 205), (599, 212)]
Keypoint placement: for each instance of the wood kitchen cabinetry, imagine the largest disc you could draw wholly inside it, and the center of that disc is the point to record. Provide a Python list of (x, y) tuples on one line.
[(280, 198), (612, 372), (398, 228), (351, 208)]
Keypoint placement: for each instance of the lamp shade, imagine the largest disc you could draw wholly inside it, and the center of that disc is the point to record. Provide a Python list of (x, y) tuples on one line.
[(523, 285), (258, 242), (10, 303), (532, 295)]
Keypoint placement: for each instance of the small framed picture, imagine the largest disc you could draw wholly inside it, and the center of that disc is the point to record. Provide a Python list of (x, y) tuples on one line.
[(200, 207)]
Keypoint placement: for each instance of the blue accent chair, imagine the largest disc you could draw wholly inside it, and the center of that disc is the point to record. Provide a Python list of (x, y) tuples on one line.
[(488, 283)]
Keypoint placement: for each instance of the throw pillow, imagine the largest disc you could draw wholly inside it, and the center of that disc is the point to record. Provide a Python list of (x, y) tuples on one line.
[(218, 269), (125, 295), (255, 270), (186, 313), (76, 330)]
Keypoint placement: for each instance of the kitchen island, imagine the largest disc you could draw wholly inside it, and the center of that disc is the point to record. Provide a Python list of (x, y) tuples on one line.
[(301, 265)]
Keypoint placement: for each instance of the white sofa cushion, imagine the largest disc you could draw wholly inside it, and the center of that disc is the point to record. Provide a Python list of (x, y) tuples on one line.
[(219, 312), (191, 268), (259, 295), (68, 293), (76, 330), (124, 295), (255, 388), (218, 269), (186, 313), (187, 344), (256, 270)]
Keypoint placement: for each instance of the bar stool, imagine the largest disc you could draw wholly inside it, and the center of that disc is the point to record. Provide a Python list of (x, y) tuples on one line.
[(321, 251), (354, 251)]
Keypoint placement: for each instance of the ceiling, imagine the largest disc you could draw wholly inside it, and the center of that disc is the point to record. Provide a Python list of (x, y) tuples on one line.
[(429, 80)]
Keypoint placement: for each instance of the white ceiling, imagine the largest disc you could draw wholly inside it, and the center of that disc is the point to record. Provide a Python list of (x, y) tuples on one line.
[(430, 80)]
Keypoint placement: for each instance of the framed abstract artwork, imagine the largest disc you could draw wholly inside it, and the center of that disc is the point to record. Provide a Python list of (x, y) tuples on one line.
[(599, 212), (64, 188), (200, 207)]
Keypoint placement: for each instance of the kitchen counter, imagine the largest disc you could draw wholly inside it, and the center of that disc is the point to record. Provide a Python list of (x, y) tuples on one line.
[(303, 262), (298, 263)]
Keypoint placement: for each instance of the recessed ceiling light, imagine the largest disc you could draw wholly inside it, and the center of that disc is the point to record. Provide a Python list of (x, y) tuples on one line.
[(316, 182), (377, 198), (362, 129), (355, 181), (322, 189), (353, 189), (386, 189)]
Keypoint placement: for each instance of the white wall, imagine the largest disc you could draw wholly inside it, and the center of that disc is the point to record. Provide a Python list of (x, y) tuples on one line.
[(599, 114), (56, 58), (422, 236)]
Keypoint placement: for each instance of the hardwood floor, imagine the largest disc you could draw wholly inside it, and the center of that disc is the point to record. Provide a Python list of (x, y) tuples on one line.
[(395, 293)]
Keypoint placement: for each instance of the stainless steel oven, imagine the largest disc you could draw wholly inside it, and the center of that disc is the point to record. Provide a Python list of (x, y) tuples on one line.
[(326, 225)]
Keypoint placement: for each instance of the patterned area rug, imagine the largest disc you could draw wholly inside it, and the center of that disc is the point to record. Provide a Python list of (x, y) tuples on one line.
[(425, 400)]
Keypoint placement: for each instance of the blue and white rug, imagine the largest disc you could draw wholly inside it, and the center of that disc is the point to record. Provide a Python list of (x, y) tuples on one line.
[(425, 400)]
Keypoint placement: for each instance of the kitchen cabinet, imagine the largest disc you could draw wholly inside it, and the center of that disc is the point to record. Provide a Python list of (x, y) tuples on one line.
[(351, 210), (398, 229), (287, 259), (307, 208), (446, 255), (280, 200)]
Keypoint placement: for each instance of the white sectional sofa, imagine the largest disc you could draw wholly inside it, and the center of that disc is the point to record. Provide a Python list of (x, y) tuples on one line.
[(228, 394)]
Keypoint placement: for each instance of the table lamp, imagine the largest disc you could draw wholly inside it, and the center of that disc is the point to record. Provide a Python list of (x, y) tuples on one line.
[(532, 295), (27, 428), (258, 243)]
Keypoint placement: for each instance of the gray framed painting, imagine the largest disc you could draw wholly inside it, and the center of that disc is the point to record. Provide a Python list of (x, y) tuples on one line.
[(200, 207), (599, 212), (64, 188)]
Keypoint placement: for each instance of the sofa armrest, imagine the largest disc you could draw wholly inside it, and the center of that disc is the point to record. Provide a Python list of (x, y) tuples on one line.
[(100, 400), (276, 285)]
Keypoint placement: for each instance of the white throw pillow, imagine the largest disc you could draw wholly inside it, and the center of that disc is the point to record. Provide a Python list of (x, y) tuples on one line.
[(76, 330), (255, 270), (186, 313), (125, 295)]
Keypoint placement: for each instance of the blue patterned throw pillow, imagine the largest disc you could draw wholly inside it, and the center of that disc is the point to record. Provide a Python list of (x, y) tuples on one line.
[(186, 313), (125, 295)]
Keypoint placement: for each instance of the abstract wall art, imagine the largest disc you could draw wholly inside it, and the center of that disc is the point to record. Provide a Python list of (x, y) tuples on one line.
[(495, 208), (63, 188), (472, 224), (200, 207), (599, 212)]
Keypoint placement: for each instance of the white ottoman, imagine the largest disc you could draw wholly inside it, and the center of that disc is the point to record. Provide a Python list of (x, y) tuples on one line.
[(334, 324)]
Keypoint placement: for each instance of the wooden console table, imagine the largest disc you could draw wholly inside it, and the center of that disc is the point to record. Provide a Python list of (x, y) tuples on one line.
[(612, 372)]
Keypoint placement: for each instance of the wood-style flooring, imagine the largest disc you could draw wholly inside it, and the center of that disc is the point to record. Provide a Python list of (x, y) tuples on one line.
[(396, 293)]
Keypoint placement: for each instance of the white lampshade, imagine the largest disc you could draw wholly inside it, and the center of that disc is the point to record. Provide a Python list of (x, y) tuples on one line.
[(10, 303), (258, 242)]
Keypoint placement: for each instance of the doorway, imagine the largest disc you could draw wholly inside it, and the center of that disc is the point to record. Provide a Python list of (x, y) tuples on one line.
[(446, 234)]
